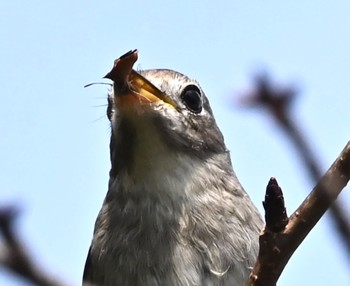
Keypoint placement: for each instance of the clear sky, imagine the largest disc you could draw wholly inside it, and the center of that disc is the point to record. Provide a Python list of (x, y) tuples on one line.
[(54, 156)]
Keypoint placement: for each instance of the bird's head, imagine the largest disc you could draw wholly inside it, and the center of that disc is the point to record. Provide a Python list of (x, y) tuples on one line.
[(158, 112)]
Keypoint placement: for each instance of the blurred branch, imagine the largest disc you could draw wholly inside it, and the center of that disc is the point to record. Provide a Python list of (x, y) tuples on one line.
[(277, 244), (14, 256), (278, 103)]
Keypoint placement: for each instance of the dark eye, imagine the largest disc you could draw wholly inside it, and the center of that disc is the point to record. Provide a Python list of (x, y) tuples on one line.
[(191, 96)]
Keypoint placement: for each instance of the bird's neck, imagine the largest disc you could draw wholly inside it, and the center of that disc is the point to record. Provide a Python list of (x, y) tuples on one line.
[(163, 182), (171, 187), (151, 180)]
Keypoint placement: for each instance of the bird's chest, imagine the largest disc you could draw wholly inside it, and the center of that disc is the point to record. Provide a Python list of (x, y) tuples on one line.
[(159, 252), (142, 245), (148, 234), (156, 243)]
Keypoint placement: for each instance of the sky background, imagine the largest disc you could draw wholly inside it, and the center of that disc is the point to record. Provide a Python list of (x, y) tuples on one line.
[(54, 154)]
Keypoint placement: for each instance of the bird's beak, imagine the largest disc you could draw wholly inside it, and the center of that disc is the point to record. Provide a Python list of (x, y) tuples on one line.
[(128, 82)]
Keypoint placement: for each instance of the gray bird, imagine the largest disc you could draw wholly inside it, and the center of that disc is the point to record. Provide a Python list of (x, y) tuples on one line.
[(175, 213)]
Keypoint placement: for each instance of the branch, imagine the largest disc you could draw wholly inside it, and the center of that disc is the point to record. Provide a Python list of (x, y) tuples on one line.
[(278, 102), (276, 248), (15, 258)]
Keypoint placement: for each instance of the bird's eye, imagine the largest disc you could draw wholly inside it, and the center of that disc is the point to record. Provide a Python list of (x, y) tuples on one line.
[(191, 96)]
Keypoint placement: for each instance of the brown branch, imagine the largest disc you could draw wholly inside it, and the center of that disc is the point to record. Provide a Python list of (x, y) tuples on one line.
[(14, 256), (276, 248), (278, 102)]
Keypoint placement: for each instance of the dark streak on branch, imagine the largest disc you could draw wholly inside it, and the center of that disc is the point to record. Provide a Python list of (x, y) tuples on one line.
[(275, 212)]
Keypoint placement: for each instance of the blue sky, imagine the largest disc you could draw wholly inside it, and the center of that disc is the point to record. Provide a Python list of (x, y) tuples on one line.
[(54, 157)]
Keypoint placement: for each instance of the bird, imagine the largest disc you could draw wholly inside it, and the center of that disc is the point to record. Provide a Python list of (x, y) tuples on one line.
[(175, 213)]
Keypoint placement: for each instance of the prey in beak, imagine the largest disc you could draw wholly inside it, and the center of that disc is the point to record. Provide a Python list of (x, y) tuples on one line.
[(130, 86)]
